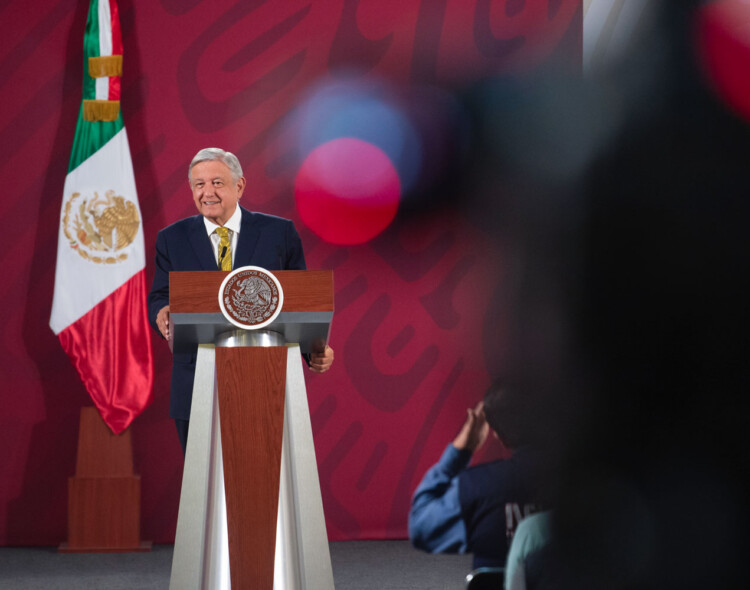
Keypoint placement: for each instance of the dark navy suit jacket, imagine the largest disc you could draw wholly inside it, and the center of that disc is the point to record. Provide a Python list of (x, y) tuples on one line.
[(265, 240)]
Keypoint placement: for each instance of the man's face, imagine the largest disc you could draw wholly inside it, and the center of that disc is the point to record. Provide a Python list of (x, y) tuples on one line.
[(214, 192)]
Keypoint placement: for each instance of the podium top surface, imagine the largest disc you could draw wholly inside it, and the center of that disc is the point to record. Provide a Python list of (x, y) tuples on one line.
[(198, 291), (196, 317)]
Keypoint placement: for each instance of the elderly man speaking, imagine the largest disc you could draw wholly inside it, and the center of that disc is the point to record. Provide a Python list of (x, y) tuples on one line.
[(222, 237)]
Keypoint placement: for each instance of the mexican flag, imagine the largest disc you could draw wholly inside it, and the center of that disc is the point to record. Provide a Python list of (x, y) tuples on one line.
[(99, 306)]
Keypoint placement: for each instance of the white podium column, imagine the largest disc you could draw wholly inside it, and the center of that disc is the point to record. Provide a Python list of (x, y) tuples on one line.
[(201, 554)]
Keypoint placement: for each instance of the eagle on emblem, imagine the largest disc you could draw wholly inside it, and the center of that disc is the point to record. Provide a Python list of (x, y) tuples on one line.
[(253, 291), (109, 223)]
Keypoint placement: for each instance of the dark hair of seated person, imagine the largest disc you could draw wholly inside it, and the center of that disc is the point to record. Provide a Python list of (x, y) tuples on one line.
[(511, 414)]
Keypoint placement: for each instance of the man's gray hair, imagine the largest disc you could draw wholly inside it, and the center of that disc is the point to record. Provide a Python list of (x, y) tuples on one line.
[(219, 155)]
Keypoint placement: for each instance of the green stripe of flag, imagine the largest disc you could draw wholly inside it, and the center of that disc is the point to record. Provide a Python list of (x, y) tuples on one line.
[(90, 49), (91, 137)]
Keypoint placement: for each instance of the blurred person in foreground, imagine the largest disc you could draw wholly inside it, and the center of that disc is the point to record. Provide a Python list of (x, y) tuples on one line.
[(462, 509), (653, 454)]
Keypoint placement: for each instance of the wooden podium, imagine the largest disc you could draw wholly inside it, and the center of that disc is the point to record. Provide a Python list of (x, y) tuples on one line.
[(251, 513)]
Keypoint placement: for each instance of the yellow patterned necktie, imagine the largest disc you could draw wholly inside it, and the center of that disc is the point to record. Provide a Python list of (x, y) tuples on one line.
[(225, 249)]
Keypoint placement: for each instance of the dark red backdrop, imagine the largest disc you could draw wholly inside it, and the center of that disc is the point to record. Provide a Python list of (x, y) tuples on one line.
[(417, 329)]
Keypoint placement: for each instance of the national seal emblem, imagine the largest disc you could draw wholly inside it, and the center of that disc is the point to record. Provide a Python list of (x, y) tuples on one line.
[(100, 229)]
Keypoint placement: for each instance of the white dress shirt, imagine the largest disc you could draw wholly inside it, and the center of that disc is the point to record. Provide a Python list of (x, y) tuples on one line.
[(233, 225)]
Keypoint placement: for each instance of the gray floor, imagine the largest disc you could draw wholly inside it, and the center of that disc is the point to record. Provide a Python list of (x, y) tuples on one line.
[(357, 565)]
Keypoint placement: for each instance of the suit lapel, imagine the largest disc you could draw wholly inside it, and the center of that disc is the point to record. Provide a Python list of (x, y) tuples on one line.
[(201, 245), (247, 240)]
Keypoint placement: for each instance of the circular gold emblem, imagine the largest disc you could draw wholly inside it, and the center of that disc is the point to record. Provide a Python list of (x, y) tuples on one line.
[(99, 228), (251, 297)]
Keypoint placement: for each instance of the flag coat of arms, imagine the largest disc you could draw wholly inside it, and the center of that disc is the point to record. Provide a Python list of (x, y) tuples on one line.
[(99, 305)]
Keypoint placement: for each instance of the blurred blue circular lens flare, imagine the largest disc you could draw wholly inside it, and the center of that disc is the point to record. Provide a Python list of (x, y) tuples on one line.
[(368, 111)]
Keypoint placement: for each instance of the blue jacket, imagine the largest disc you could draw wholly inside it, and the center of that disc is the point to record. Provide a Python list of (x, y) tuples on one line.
[(461, 509)]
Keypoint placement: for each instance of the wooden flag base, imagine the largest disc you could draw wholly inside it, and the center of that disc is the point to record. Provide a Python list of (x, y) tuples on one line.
[(104, 496)]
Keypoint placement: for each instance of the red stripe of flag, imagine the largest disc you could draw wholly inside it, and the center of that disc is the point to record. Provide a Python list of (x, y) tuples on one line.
[(110, 347)]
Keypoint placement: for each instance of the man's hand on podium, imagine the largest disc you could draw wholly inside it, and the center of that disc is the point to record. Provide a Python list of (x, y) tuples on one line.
[(320, 362), (162, 321)]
